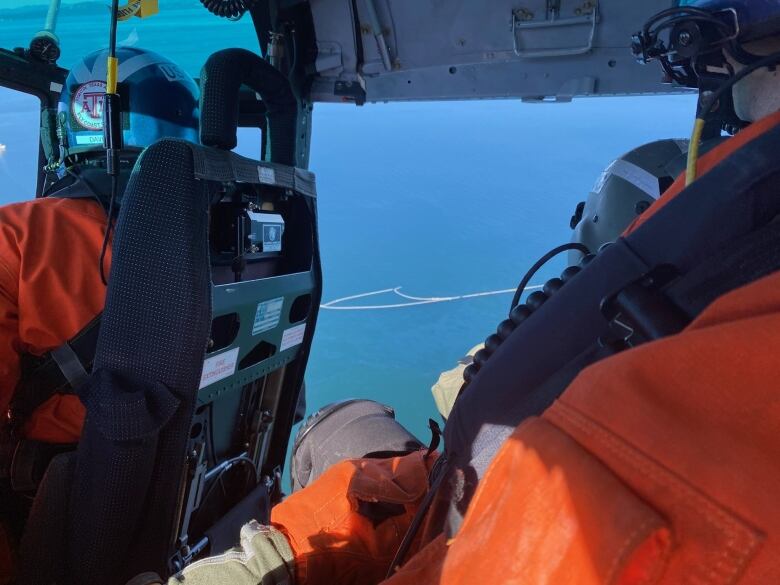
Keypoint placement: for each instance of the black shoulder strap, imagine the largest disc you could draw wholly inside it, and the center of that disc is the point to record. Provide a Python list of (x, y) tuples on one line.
[(60, 371), (740, 263)]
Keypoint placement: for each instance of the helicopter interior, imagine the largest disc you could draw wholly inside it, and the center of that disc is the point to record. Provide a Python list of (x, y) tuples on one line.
[(232, 300)]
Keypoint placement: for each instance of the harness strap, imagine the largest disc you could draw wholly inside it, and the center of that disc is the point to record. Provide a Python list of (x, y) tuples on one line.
[(70, 365), (438, 473), (736, 264), (60, 371), (750, 258)]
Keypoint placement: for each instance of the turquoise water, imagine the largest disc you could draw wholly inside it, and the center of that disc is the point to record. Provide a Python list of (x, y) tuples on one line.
[(446, 199), (441, 199), (183, 31)]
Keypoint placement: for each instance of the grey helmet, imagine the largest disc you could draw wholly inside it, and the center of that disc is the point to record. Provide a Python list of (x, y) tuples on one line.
[(626, 188)]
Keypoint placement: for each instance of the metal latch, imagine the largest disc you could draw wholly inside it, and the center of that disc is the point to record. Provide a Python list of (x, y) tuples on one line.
[(523, 20)]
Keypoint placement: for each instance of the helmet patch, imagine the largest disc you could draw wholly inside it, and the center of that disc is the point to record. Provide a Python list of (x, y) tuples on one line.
[(87, 104)]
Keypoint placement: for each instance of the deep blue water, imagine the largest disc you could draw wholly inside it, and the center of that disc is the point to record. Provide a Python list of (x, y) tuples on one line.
[(442, 199)]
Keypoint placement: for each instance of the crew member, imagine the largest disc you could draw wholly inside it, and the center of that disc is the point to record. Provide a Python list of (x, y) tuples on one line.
[(53, 259)]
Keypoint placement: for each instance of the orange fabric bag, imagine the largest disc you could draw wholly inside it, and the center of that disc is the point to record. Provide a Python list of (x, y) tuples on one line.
[(347, 526)]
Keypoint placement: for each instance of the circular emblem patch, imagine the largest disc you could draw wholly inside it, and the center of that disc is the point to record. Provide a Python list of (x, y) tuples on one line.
[(87, 105)]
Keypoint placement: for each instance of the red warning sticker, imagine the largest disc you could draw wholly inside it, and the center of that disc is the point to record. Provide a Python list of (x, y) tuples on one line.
[(87, 104), (219, 367)]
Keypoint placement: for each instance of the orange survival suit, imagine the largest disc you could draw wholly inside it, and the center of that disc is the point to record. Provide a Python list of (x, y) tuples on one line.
[(50, 289), (657, 465)]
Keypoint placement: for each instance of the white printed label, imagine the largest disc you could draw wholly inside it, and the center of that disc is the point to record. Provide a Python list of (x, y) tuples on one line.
[(293, 336), (219, 367), (268, 315), (55, 87), (272, 237), (267, 175), (89, 139)]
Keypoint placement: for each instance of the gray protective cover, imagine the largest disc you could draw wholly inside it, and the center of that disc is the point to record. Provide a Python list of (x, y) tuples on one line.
[(351, 429)]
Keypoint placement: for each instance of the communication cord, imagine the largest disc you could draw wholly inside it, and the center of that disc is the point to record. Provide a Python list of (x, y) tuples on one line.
[(707, 103)]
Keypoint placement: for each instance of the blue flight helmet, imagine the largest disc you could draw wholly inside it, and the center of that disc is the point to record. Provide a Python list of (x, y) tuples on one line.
[(159, 100), (756, 18)]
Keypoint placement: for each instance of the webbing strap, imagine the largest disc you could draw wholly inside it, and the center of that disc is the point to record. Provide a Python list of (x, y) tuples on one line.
[(750, 258), (70, 365), (225, 166), (60, 371)]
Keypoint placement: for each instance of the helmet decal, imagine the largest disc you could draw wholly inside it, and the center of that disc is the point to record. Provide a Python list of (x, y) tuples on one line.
[(640, 178), (127, 67), (87, 105)]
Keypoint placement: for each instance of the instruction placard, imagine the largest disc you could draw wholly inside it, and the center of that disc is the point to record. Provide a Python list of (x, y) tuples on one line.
[(219, 367), (267, 175), (267, 315), (293, 336)]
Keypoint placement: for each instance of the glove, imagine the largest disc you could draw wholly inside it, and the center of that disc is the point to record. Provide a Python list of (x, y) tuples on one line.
[(347, 525), (264, 558)]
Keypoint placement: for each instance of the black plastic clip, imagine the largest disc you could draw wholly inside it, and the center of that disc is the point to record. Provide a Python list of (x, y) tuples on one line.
[(435, 437), (640, 312)]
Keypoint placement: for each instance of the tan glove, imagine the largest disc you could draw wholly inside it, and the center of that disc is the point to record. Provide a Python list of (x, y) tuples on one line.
[(446, 390), (264, 558)]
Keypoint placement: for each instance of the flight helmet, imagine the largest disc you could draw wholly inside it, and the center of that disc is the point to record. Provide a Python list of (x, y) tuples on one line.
[(159, 100), (626, 188)]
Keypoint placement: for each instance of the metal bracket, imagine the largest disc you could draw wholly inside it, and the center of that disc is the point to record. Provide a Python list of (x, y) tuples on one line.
[(196, 467), (522, 21)]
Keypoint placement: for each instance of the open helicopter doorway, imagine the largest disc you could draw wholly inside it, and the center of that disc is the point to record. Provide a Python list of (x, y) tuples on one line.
[(462, 199)]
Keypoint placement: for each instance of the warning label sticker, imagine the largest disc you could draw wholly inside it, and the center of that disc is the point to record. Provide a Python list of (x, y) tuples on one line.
[(219, 367), (267, 175), (293, 336), (267, 315)]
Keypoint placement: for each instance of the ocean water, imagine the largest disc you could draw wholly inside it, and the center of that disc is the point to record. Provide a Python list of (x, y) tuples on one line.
[(441, 199), (445, 199)]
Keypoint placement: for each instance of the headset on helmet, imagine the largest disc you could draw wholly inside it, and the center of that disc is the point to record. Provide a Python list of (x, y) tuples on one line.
[(159, 100), (689, 39)]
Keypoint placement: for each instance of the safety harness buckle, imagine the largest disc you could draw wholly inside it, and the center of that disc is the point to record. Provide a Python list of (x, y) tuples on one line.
[(640, 312)]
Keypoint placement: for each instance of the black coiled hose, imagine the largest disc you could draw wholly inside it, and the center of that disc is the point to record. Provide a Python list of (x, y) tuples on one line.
[(520, 313), (232, 9)]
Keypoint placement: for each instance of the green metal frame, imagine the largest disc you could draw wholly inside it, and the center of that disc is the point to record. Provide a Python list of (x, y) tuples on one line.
[(243, 300)]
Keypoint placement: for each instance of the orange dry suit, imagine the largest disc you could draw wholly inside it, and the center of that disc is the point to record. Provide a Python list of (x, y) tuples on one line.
[(656, 465), (50, 288)]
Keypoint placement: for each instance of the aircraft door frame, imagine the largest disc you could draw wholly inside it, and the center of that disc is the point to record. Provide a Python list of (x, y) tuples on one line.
[(22, 73)]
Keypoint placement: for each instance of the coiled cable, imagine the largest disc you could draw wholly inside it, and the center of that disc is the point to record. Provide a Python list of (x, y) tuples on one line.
[(232, 9), (519, 313)]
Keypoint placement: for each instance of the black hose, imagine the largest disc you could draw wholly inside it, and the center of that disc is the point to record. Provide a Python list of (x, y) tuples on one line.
[(109, 228), (233, 9), (541, 262), (221, 79)]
